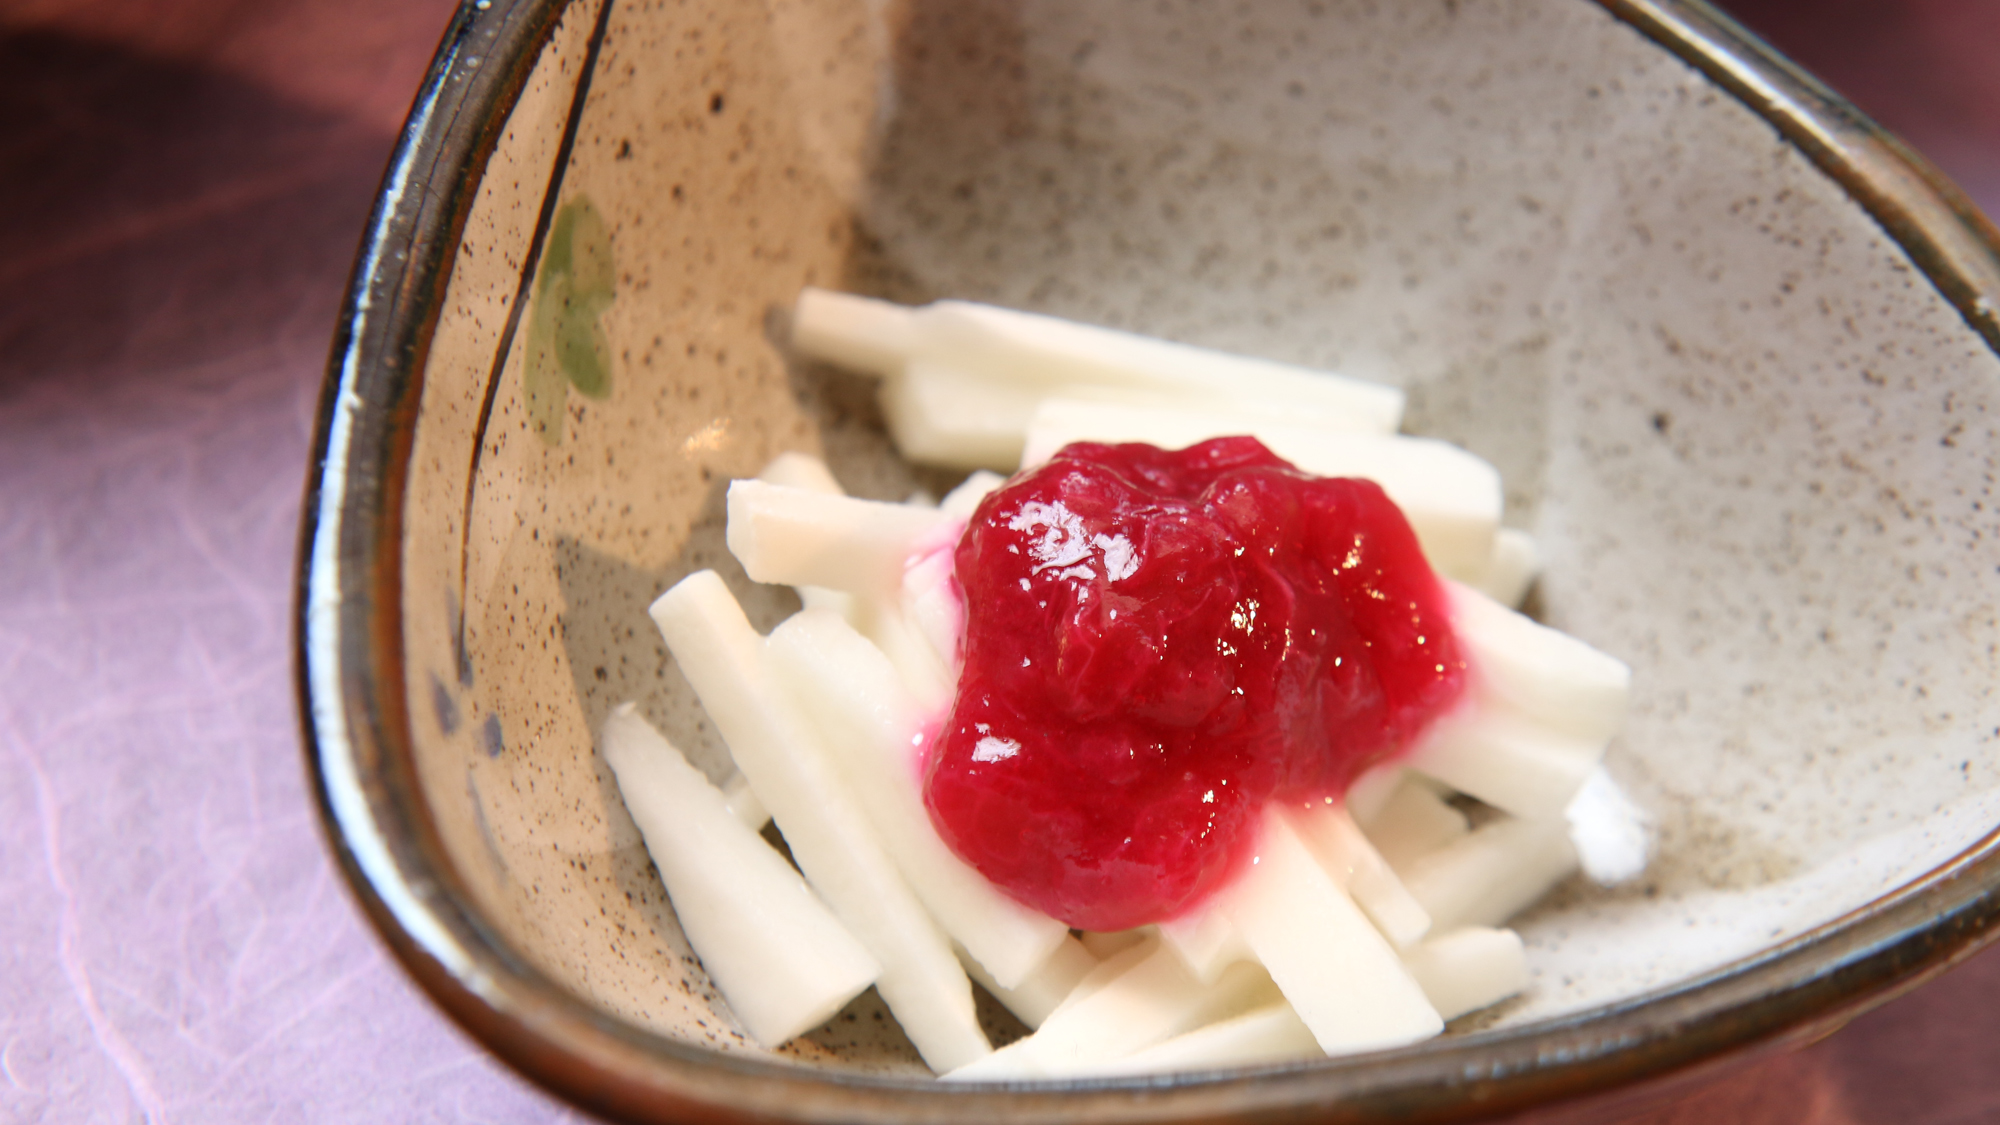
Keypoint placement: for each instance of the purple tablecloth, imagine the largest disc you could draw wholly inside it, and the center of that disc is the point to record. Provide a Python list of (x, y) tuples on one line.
[(183, 184)]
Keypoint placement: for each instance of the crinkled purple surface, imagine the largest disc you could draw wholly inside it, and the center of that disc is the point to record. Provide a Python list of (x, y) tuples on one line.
[(184, 183), (178, 945)]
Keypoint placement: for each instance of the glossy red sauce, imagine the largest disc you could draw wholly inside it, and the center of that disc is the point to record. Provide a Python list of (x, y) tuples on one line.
[(1156, 644)]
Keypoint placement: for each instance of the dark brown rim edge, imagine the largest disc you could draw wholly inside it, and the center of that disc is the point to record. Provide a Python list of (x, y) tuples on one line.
[(349, 668)]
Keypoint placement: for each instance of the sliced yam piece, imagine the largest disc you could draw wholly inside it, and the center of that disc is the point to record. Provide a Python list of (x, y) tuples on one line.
[(961, 380), (1201, 400), (1608, 831), (797, 537), (1151, 999), (946, 415), (1270, 1034), (1094, 415), (1044, 988), (1540, 706), (1537, 671), (932, 604), (925, 674), (1339, 973), (881, 338), (801, 470), (1451, 497), (853, 696), (1414, 820), (804, 471), (859, 333), (1242, 987), (781, 959), (1205, 941), (743, 803), (964, 499), (1105, 971), (1490, 874), (1469, 968), (832, 601), (1346, 854), (1512, 570), (1504, 759), (1366, 796), (1023, 1057), (942, 415), (1060, 353), (829, 835)]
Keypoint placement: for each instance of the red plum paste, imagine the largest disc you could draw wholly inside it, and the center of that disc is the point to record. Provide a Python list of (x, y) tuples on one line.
[(1159, 643)]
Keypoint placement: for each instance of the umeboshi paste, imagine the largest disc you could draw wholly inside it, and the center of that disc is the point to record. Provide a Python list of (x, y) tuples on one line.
[(1157, 644)]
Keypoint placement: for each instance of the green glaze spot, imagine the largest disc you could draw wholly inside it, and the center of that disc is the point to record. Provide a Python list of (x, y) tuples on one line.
[(566, 344)]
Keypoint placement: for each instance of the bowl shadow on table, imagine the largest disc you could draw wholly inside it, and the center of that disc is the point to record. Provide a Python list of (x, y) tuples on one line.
[(175, 212)]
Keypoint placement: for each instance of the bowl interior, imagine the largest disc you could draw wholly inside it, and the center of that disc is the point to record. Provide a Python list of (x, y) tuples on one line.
[(1754, 443)]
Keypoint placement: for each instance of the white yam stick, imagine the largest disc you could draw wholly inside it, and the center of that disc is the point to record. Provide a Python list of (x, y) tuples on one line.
[(1537, 671), (743, 803), (1469, 968), (833, 601), (1104, 972), (1513, 568), (1337, 842), (1339, 973), (1539, 708), (723, 658), (1414, 820), (1490, 874), (859, 333), (1371, 790), (961, 380), (781, 959), (848, 689), (1044, 988), (876, 337), (962, 501), (797, 537), (1242, 987), (801, 470), (1152, 1000), (950, 416), (1504, 759), (1270, 1034), (1451, 497), (804, 471), (933, 606), (1205, 940), (1608, 831), (943, 416), (930, 680)]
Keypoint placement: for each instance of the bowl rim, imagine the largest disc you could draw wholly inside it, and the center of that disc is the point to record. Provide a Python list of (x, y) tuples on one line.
[(348, 669)]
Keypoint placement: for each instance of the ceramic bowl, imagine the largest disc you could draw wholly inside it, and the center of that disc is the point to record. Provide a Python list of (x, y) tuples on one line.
[(1733, 350)]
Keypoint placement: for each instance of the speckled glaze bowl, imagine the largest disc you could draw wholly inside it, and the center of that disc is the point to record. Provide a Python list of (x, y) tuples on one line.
[(1733, 350)]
